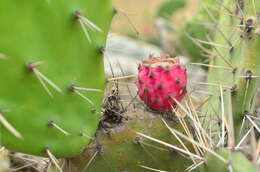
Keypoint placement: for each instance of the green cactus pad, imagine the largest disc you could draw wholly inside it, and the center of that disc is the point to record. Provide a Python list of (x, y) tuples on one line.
[(124, 150), (44, 50), (240, 57), (237, 162)]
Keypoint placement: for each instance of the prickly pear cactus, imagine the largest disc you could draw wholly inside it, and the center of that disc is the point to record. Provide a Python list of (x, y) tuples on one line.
[(237, 73), (122, 148), (51, 74), (234, 74)]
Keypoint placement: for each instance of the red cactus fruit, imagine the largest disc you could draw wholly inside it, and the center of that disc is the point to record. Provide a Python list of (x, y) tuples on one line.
[(161, 81)]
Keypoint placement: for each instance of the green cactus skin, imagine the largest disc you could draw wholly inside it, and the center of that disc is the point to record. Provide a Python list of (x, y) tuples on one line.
[(51, 32), (242, 59), (237, 161), (121, 151), (236, 83)]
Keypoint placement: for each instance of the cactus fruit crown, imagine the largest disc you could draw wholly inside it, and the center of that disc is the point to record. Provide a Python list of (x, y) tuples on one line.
[(161, 82)]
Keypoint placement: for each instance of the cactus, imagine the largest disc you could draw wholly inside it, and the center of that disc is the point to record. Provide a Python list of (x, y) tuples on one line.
[(201, 146), (234, 72), (138, 141), (239, 64), (51, 72), (124, 150)]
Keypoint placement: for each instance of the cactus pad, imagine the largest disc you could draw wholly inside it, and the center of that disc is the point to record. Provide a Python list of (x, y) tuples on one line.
[(51, 74)]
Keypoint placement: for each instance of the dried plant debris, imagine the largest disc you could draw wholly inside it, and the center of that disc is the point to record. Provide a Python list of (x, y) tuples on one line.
[(27, 163), (113, 111)]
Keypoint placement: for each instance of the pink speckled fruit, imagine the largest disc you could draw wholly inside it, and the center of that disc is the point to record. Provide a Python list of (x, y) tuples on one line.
[(161, 81)]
